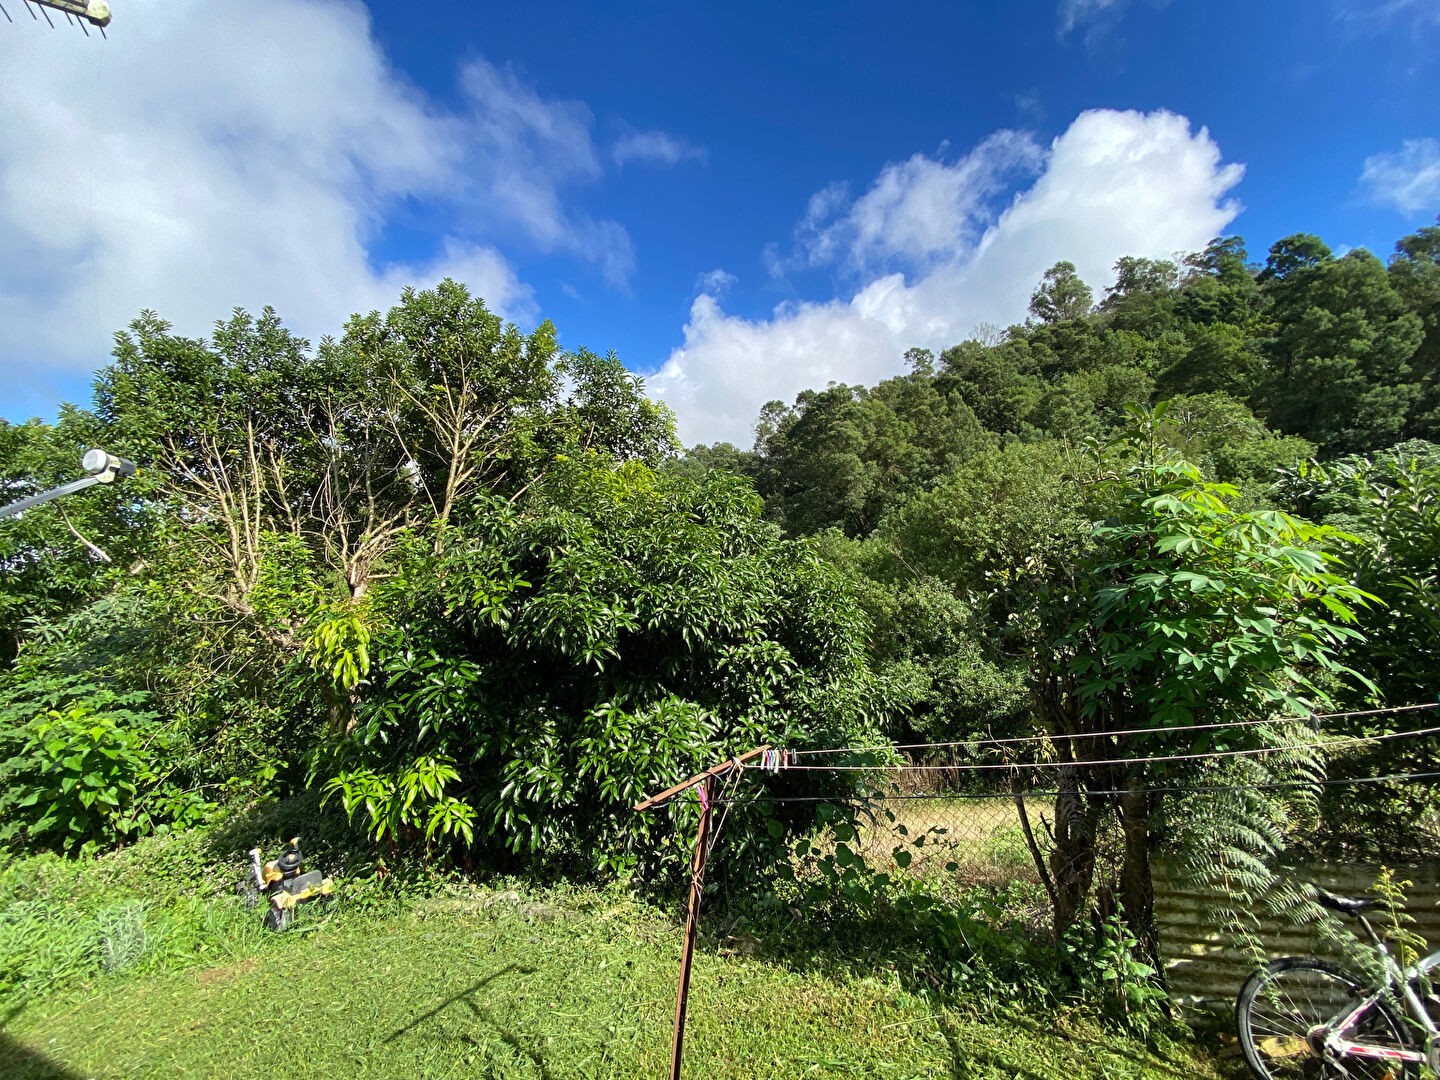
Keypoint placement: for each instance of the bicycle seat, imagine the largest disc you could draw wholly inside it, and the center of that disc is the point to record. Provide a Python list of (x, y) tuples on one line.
[(1344, 904)]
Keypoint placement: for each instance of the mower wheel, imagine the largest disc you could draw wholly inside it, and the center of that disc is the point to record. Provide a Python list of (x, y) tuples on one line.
[(247, 891), (278, 919)]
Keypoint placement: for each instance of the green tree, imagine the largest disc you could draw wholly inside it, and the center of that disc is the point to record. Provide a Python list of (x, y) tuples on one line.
[(252, 436), (1340, 362), (1089, 403), (279, 484), (1136, 276), (1220, 287), (700, 459), (1144, 295), (557, 661), (931, 577), (1388, 505), (606, 410), (445, 400), (56, 558), (1293, 255), (1061, 295), (1415, 274), (1219, 357), (998, 513), (1221, 435), (813, 469), (999, 383), (1183, 611), (843, 455)]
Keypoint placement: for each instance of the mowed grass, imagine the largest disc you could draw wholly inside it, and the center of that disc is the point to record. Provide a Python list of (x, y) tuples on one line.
[(981, 837), (477, 983)]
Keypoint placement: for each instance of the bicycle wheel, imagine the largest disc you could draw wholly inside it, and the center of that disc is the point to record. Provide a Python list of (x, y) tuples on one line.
[(1282, 1005)]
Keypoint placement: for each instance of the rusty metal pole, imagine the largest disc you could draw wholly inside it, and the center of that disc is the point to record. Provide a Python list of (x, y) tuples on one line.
[(704, 783), (697, 883)]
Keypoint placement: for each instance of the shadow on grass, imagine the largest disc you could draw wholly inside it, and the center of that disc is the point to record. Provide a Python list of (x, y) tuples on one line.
[(926, 956), (21, 1062), (988, 953), (508, 1037), (464, 996), (978, 1057), (965, 1060)]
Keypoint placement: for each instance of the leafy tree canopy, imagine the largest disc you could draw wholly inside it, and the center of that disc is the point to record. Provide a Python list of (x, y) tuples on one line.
[(556, 663)]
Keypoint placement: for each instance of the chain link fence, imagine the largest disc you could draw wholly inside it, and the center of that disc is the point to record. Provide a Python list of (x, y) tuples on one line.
[(941, 825)]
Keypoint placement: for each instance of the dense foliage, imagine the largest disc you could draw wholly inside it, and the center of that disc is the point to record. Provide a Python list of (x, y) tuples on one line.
[(964, 499), (1331, 353), (279, 484), (459, 583), (540, 671)]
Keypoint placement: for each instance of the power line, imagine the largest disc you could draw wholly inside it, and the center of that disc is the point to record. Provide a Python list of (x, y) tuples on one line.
[(1208, 755), (952, 796), (1374, 712), (1019, 739)]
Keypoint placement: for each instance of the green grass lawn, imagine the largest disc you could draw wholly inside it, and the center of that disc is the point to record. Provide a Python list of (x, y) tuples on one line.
[(483, 984)]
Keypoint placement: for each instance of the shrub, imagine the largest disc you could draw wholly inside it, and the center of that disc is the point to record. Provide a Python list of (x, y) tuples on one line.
[(551, 666), (1107, 969), (85, 767)]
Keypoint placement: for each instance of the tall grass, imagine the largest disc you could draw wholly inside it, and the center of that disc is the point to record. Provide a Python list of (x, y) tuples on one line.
[(57, 928), (165, 902)]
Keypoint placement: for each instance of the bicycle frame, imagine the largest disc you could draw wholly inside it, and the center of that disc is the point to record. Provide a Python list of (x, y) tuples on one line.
[(1399, 982)]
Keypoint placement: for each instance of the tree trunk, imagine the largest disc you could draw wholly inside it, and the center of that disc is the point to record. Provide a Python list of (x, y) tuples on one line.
[(1030, 843), (1137, 888), (1072, 863)]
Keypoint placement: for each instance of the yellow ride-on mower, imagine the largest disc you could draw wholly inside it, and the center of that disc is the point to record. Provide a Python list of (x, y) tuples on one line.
[(284, 884)]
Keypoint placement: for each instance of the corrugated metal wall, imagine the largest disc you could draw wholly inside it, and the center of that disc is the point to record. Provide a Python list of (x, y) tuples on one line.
[(1203, 971)]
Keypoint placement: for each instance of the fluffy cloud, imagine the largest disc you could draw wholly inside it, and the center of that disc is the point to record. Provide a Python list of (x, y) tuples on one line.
[(1115, 183), (193, 162), (1407, 179), (657, 148), (916, 212), (521, 153)]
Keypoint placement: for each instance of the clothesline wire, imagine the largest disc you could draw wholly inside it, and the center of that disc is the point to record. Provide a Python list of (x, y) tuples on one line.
[(729, 788), (1207, 755), (1115, 734), (1154, 790)]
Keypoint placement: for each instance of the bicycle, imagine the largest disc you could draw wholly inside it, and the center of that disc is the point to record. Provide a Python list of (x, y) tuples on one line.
[(1301, 1017)]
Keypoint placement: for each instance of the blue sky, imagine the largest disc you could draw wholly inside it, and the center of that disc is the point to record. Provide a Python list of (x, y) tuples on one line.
[(741, 201)]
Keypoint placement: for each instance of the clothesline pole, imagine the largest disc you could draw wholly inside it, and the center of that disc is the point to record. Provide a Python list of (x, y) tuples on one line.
[(692, 923), (714, 770), (704, 782)]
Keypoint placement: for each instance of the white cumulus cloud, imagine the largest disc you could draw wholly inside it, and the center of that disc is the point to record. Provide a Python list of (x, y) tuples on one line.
[(1407, 179), (915, 212), (1115, 183), (199, 160)]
